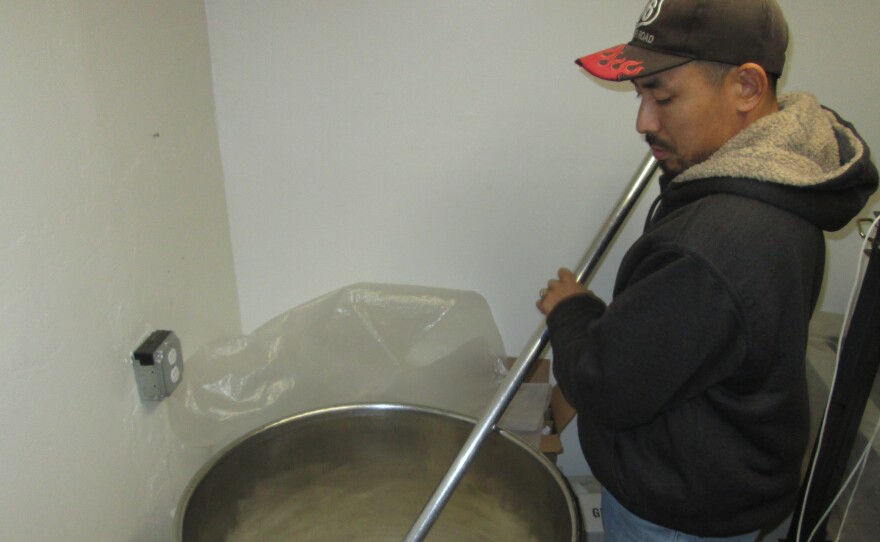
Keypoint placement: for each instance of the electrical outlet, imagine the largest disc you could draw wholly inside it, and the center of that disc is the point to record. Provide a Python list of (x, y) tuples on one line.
[(158, 365)]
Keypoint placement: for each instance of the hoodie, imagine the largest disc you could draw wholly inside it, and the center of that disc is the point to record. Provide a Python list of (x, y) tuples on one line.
[(690, 385)]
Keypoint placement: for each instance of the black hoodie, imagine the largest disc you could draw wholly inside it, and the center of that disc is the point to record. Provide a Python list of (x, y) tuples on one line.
[(690, 385)]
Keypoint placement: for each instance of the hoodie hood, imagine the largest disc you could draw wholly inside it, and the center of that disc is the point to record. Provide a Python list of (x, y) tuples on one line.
[(803, 158)]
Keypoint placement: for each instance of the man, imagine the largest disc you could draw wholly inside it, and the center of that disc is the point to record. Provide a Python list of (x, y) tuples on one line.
[(690, 385)]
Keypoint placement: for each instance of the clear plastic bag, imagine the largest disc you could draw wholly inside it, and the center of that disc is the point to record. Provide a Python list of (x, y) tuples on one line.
[(361, 343)]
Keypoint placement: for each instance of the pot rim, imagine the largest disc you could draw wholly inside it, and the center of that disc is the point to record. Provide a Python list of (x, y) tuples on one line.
[(348, 408)]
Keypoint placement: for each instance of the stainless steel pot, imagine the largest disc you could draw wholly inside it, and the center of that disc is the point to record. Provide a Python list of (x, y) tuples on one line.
[(364, 472)]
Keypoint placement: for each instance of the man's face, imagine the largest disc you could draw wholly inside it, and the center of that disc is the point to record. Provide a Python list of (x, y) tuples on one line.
[(685, 116)]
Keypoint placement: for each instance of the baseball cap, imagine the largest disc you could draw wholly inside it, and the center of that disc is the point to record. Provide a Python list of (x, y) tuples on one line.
[(672, 32)]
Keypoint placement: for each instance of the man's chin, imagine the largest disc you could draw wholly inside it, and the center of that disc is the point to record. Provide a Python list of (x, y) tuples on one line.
[(669, 169)]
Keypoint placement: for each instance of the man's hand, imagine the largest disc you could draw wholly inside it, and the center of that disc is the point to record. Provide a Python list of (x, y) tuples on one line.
[(559, 289)]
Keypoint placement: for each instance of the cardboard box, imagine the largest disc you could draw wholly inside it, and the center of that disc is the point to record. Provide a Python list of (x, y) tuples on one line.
[(559, 414)]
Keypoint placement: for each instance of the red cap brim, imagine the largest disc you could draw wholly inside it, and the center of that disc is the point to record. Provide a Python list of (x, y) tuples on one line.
[(625, 62)]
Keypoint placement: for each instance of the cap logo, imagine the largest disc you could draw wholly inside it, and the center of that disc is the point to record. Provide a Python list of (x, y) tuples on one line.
[(652, 11)]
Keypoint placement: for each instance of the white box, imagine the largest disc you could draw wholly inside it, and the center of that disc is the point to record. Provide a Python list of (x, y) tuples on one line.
[(589, 495)]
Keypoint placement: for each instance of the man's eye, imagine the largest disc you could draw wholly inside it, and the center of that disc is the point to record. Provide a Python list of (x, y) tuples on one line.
[(664, 101)]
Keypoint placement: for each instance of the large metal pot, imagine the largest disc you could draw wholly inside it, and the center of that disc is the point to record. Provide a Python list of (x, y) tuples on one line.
[(363, 473)]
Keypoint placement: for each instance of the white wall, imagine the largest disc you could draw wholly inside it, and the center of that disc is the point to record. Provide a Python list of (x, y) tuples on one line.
[(455, 143), (112, 223)]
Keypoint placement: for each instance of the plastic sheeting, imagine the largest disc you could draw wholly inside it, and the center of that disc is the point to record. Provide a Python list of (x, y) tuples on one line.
[(362, 343)]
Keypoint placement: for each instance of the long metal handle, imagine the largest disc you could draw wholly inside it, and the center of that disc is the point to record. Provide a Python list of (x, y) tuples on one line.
[(526, 359)]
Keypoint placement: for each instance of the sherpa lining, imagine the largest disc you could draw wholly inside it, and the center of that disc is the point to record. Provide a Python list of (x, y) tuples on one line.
[(796, 146)]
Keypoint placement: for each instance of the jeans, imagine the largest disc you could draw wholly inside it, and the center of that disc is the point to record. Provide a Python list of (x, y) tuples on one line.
[(620, 525)]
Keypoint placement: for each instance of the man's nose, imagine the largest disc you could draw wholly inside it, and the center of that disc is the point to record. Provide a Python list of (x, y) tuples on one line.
[(647, 121)]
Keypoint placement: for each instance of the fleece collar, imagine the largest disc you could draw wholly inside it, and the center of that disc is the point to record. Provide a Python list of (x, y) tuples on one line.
[(802, 144)]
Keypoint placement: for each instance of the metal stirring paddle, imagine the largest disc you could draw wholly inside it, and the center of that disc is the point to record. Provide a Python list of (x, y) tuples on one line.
[(526, 359)]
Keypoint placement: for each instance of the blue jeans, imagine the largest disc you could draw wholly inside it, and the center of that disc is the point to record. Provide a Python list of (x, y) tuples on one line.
[(621, 525)]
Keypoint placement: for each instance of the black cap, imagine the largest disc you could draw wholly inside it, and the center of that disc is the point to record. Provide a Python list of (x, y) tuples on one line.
[(673, 32)]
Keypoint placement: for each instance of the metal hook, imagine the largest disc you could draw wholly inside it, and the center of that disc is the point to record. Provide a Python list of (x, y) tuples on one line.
[(864, 226), (864, 223)]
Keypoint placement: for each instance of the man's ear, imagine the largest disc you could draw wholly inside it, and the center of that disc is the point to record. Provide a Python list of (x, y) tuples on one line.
[(752, 86)]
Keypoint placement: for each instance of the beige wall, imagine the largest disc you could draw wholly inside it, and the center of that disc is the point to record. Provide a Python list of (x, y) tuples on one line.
[(112, 223)]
